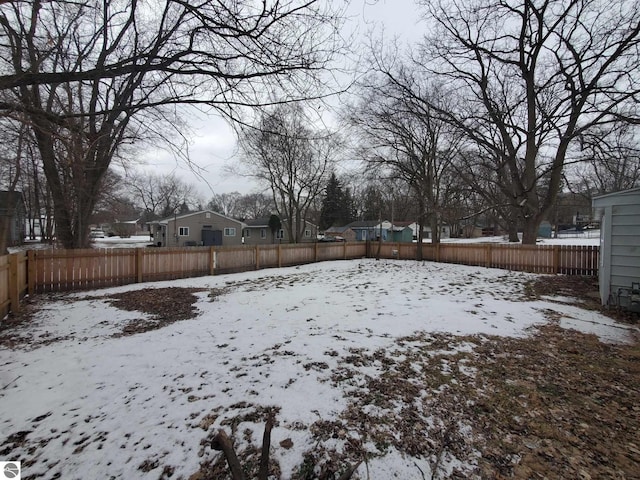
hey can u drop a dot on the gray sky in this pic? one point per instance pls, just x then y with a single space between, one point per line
213 143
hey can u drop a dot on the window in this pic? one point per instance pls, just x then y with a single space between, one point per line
263 233
183 231
247 233
280 234
307 233
207 215
229 232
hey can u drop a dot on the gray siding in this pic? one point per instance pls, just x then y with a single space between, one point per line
195 223
252 236
620 241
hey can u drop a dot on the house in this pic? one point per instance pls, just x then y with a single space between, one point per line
370 230
126 228
619 248
400 233
258 232
13 211
198 228
345 233
445 230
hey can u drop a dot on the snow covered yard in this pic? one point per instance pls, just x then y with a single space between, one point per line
417 370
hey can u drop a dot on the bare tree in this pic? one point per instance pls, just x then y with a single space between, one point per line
402 136
88 77
292 159
236 205
530 77
255 205
226 203
161 196
611 161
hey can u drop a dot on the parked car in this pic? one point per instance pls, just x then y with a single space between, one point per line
96 234
328 238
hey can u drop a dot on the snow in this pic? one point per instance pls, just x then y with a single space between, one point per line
98 406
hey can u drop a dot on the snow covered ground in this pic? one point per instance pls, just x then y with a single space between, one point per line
82 401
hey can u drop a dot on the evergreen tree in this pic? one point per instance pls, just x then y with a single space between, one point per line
350 211
333 205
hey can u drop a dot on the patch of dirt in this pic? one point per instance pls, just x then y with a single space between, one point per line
165 305
584 289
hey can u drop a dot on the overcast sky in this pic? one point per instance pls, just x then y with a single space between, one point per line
213 144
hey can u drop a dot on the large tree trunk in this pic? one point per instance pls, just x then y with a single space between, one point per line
512 231
435 230
530 230
421 224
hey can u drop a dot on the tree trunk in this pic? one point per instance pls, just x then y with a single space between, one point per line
512 230
435 229
530 230
4 233
421 223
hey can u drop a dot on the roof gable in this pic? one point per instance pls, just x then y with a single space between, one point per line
191 214
614 197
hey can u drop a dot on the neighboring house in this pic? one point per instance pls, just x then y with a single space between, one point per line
309 234
445 230
619 248
205 228
370 230
126 228
400 233
345 233
13 211
258 232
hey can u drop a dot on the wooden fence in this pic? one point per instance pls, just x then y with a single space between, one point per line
550 259
38 271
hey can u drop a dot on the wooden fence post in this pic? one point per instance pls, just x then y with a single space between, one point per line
14 288
31 272
487 255
556 259
212 261
139 264
279 255
315 252
344 250
257 257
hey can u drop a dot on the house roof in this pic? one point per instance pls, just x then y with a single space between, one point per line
602 200
364 224
132 221
338 229
264 222
257 222
165 221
